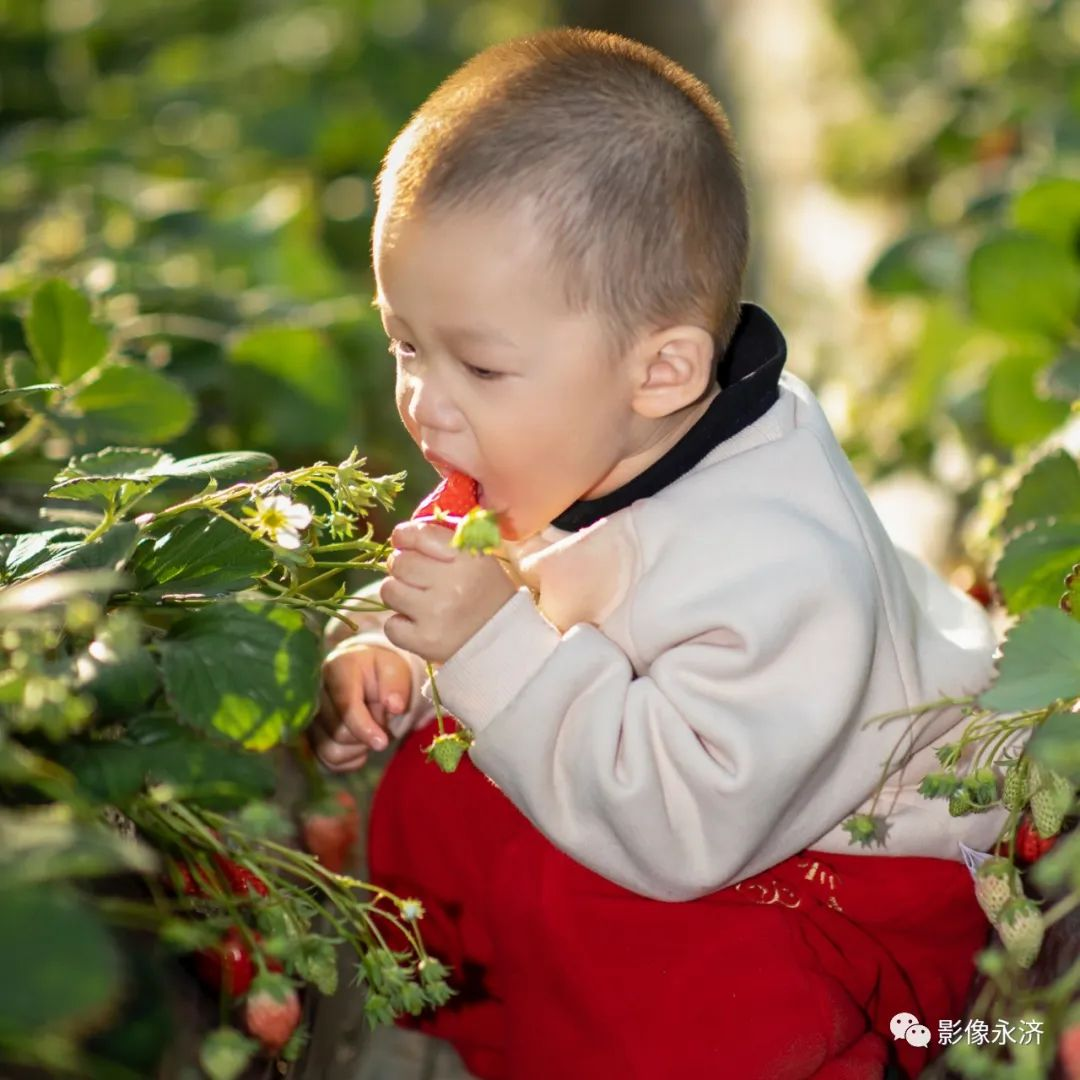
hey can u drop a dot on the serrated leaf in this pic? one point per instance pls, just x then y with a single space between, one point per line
68 967
267 690
127 403
1049 489
316 962
110 551
1021 282
63 339
1032 570
26 551
118 492
134 461
228 467
198 554
1040 663
156 749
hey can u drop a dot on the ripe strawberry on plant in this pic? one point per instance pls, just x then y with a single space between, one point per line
1020 927
330 829
1029 845
240 879
272 1011
227 964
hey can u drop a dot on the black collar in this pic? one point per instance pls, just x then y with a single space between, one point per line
748 373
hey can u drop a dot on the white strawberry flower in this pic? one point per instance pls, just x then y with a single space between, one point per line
279 518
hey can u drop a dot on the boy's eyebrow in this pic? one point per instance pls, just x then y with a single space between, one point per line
455 334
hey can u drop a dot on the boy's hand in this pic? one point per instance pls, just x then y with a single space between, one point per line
443 595
361 686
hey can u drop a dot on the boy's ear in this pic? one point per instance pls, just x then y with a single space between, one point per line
673 369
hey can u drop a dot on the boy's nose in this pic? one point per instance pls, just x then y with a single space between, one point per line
429 405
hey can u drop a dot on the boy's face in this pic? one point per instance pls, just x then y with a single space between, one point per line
494 374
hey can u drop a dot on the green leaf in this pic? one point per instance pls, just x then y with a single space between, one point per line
288 387
1040 663
1056 744
1051 209
228 467
924 262
156 749
225 1053
42 844
1033 567
1015 414
120 685
110 551
267 690
316 962
1049 489
198 554
936 355
126 403
27 551
65 342
63 967
1021 282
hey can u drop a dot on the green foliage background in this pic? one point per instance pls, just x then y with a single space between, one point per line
203 168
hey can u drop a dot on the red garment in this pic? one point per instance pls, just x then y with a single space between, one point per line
794 973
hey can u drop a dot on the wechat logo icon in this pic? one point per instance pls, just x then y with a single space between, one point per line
906 1026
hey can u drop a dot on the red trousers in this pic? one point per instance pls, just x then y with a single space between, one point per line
792 974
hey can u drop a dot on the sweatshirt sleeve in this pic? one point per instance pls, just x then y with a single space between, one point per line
371 633
733 750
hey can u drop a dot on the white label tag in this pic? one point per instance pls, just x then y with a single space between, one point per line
973 859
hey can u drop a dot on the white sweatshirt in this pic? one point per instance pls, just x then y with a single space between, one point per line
677 695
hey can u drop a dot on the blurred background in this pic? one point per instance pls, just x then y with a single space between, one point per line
203 169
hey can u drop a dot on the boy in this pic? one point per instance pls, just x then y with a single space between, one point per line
640 868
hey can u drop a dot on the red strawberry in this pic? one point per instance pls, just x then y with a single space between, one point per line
1030 846
227 963
272 1011
456 495
240 879
330 834
1069 1051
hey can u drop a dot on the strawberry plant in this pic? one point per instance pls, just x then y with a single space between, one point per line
159 658
979 389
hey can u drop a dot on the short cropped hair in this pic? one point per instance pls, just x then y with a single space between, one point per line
627 160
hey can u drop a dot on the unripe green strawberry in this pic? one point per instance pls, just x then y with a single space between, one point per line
960 803
447 750
995 885
1020 926
1014 789
1051 796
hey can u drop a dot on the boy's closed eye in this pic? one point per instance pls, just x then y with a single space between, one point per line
395 350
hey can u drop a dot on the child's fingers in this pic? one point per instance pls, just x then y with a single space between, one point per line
359 721
425 537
